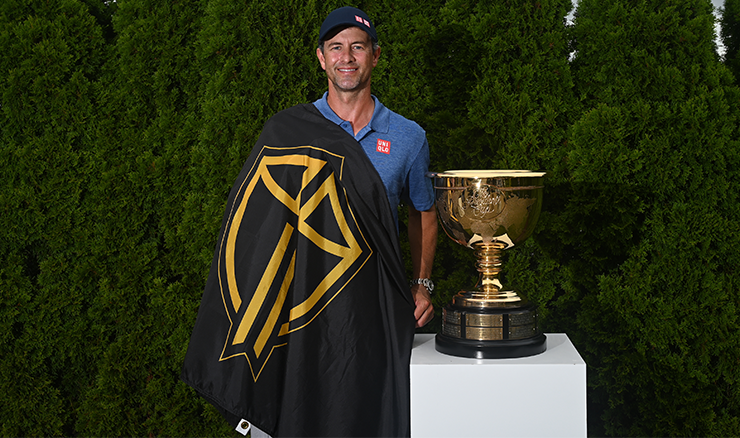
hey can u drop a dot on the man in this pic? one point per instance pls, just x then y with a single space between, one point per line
348 51
306 323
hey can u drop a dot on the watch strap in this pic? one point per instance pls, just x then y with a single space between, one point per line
426 282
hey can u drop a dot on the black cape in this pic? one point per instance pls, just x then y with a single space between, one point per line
306 322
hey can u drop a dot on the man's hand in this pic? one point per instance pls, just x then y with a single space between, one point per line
424 311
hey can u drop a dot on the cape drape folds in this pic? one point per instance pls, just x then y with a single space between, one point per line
306 323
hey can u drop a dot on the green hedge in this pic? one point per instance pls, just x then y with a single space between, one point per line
654 165
123 125
730 34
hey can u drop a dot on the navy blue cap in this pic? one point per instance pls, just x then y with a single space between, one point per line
347 16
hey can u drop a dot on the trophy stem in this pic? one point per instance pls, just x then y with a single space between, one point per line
488 291
489 266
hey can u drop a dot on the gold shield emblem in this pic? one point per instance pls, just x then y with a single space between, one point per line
289 247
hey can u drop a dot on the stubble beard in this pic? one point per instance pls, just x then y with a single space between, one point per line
347 84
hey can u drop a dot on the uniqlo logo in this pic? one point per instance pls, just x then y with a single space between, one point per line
384 146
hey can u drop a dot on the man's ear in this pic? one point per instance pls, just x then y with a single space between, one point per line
376 56
320 55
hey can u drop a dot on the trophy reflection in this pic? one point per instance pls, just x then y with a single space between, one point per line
489 211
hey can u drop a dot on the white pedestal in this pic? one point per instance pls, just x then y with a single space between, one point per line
536 396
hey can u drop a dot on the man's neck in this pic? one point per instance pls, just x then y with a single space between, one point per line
356 108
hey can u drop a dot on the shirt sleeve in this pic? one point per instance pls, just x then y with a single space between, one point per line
420 190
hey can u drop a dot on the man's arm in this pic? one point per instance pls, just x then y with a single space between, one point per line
423 240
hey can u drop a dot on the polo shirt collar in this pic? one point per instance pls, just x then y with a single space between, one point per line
380 121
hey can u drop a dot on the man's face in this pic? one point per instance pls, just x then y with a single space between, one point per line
348 59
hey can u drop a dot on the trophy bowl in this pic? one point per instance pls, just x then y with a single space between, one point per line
489 211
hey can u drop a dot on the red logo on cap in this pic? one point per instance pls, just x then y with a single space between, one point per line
362 20
384 146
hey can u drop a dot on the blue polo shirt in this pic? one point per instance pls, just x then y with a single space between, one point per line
398 149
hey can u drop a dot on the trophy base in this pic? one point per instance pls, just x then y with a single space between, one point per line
510 330
490 349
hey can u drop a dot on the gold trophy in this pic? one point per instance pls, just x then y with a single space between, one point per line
489 211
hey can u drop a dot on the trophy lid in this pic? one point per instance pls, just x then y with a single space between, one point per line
488 173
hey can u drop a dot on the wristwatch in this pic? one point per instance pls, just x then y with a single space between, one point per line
426 282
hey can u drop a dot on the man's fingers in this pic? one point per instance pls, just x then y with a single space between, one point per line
424 313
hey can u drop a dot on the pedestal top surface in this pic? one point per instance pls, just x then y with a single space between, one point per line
560 351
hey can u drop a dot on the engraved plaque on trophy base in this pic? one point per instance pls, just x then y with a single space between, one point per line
490 333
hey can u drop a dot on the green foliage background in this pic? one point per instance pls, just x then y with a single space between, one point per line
123 125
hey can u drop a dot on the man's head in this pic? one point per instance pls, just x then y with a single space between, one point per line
348 50
343 18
